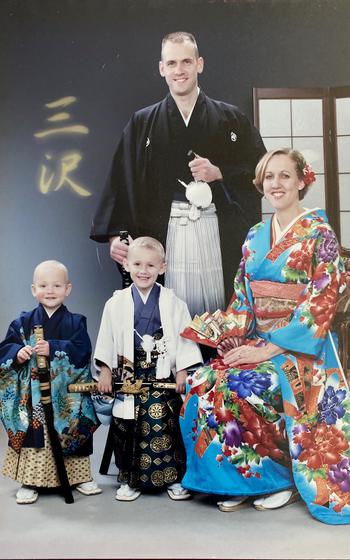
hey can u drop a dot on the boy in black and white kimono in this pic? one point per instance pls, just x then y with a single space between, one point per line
139 339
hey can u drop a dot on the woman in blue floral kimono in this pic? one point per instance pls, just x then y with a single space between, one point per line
270 417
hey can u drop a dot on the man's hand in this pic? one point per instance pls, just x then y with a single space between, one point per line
104 384
24 354
203 170
42 348
181 377
118 250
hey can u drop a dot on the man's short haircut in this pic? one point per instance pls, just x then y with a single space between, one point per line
50 264
180 37
149 243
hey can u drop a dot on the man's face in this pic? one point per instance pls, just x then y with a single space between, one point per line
180 67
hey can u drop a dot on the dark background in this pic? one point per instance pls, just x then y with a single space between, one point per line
106 53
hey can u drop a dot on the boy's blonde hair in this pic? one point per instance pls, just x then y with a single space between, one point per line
50 264
149 243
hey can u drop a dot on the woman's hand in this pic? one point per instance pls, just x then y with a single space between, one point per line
229 343
247 354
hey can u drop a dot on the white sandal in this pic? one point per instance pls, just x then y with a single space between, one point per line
127 494
178 492
26 495
277 500
88 488
233 504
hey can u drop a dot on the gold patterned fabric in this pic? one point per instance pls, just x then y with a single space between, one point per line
149 450
274 302
36 466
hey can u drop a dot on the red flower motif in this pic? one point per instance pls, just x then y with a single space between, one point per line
323 306
322 445
298 260
224 415
269 439
210 396
343 497
218 365
226 450
322 315
305 223
319 273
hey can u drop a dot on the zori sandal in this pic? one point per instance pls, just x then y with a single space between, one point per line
178 492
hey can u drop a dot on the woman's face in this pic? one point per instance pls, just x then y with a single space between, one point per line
281 183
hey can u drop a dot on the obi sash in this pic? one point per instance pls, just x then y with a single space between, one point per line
274 302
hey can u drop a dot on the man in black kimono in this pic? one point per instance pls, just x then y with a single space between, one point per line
188 137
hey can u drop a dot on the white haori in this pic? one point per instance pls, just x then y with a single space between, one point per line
116 338
193 255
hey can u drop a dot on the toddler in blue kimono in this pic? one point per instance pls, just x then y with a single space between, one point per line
139 342
30 457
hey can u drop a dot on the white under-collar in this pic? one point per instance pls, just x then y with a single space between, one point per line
50 312
187 119
143 296
281 232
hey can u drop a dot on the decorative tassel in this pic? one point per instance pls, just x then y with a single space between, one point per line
148 345
163 360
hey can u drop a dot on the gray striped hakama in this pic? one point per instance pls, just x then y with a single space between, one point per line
193 255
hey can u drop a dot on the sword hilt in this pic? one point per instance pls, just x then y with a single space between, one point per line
126 280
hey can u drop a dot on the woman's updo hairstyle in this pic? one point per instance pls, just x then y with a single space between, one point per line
304 170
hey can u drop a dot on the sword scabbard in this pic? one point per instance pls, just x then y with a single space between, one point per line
120 387
46 400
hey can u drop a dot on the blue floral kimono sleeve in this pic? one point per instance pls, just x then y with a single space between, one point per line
312 318
241 301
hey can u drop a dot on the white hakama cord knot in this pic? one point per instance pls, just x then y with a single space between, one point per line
199 195
147 344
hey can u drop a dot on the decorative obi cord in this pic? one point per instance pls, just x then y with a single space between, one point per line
274 302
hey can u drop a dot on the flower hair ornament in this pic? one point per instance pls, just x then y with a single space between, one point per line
309 176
